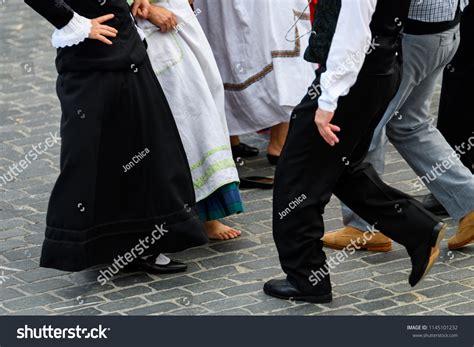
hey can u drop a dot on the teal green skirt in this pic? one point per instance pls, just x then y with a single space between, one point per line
223 202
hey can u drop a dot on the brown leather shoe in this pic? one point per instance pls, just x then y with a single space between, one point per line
465 234
372 242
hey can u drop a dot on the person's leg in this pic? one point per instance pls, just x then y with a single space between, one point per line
425 56
242 150
427 151
455 119
310 169
413 74
278 135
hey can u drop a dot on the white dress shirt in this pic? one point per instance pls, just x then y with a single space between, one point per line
351 41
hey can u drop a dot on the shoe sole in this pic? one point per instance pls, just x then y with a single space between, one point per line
462 244
435 250
387 247
322 299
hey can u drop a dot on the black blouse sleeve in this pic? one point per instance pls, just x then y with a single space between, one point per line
57 12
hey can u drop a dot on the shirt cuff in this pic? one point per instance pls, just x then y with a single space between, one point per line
76 31
327 105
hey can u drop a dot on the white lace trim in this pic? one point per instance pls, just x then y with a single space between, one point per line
75 32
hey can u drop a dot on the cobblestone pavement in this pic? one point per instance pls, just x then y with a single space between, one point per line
224 278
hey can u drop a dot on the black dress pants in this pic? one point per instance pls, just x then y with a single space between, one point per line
310 171
456 118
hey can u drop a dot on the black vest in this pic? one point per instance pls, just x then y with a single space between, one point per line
386 26
126 52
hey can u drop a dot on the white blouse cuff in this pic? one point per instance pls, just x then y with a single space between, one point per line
76 31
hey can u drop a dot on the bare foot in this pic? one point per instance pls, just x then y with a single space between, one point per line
218 231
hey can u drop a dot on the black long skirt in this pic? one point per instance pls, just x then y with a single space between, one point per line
125 185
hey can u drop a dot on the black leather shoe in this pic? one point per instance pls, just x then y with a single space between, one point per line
282 289
149 265
432 204
425 255
244 151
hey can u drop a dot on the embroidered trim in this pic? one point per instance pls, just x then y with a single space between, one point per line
296 52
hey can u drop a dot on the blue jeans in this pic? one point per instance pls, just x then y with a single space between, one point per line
407 124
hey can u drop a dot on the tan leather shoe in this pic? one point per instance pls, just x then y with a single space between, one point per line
465 234
373 242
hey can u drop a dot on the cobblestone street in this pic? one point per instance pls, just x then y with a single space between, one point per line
224 278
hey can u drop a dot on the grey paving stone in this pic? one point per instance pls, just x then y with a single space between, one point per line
82 291
176 282
391 278
153 309
200 298
229 303
443 289
30 302
243 289
375 305
262 275
462 309
170 294
210 285
406 298
132 279
234 245
300 310
37 311
90 311
9 293
38 274
355 287
404 287
128 292
226 259
270 305
45 285
224 271
456 275
341 312
189 311
451 299
232 312
120 305
373 294
341 301
405 310
81 302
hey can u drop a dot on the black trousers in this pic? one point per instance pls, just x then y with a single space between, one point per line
310 171
456 118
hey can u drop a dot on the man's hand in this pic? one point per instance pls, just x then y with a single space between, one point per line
141 8
162 18
101 32
326 129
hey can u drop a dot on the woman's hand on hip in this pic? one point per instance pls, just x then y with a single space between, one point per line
100 31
